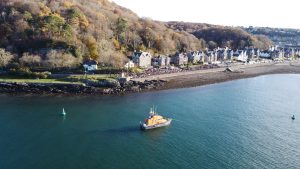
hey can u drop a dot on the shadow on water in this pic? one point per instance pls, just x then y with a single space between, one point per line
155 133
123 130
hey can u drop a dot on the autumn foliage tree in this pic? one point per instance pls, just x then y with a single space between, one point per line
58 59
100 30
5 58
30 60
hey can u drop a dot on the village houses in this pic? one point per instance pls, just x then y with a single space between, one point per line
90 65
179 59
162 61
194 57
240 55
216 56
129 64
142 59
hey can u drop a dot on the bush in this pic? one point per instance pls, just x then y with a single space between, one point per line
30 60
13 65
5 57
26 73
135 70
58 59
109 70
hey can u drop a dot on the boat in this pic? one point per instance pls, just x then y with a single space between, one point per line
293 117
63 113
155 121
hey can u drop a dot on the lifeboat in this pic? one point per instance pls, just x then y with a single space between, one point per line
154 121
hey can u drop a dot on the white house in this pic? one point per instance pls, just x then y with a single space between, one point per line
212 57
194 56
240 55
142 59
90 65
164 60
179 59
265 55
129 65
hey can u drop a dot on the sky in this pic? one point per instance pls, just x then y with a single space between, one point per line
264 13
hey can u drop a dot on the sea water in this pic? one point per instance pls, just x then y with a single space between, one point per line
237 124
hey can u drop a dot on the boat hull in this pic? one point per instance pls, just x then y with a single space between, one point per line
145 127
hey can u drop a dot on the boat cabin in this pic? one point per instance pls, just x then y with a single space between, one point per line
155 119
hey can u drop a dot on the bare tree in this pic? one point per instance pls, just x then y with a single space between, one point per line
30 60
5 57
117 60
59 59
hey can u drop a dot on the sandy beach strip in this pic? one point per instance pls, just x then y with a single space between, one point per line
211 76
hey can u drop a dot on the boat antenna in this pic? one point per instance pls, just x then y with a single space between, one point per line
153 109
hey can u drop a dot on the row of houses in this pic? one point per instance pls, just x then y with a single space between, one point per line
145 60
276 53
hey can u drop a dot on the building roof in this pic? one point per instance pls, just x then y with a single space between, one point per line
90 62
138 54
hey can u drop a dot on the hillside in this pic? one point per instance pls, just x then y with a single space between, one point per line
279 36
63 33
224 36
80 29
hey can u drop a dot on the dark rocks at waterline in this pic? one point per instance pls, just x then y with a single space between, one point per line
78 89
45 88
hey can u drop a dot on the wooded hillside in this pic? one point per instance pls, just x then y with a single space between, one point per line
280 36
222 36
62 33
96 29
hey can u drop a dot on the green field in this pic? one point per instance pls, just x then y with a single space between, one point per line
68 79
11 80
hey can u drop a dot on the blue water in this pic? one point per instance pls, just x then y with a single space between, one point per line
238 124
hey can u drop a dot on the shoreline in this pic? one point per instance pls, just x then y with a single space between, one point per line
200 79
155 82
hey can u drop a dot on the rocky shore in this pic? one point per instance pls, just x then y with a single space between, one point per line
79 89
151 83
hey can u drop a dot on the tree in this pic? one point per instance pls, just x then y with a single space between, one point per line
149 37
212 44
121 28
53 24
117 60
133 40
30 60
5 57
106 50
59 59
262 42
91 44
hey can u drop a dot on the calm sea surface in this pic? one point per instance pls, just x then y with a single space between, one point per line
238 124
